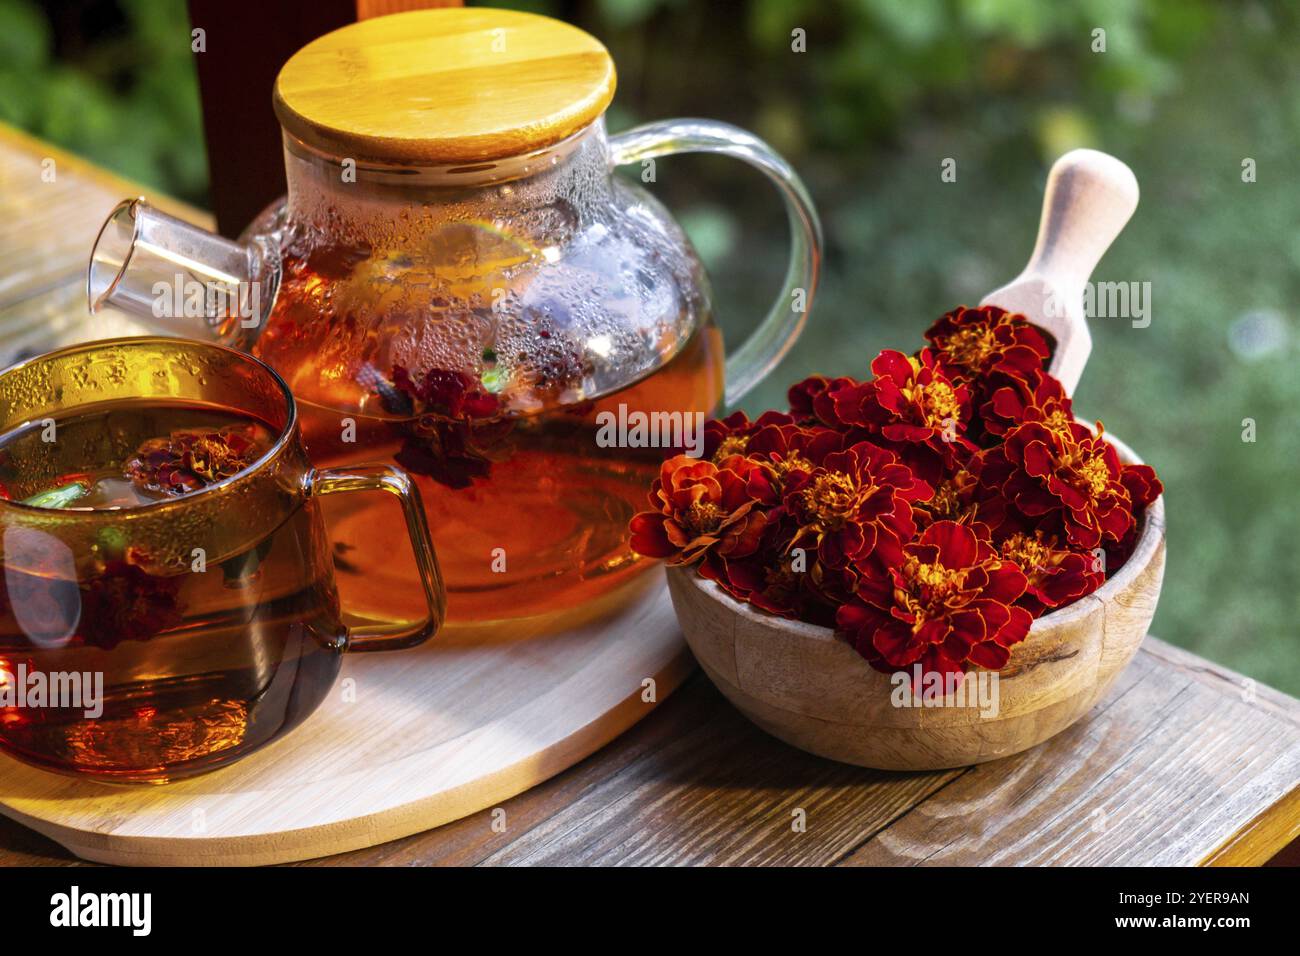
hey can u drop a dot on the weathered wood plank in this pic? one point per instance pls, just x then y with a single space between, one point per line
55 317
695 783
1165 771
51 207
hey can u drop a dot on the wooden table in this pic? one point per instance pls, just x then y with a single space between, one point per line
1183 763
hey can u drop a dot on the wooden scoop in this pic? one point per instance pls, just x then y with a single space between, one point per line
1089 197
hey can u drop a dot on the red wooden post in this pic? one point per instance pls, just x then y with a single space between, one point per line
245 44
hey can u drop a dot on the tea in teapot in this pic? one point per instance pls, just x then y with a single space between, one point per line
456 282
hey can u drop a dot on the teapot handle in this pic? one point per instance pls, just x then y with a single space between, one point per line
767 344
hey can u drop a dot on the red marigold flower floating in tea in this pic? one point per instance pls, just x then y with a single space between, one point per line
124 602
186 461
116 599
456 426
928 513
447 393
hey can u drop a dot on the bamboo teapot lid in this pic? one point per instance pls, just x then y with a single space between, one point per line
444 86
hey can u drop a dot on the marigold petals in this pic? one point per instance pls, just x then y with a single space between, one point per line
1007 583
893 641
649 537
956 543
934 508
989 655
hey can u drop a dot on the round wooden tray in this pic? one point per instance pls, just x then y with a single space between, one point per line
406 741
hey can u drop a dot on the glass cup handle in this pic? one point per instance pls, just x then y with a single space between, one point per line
767 344
329 481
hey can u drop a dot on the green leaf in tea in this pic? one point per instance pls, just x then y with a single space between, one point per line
59 497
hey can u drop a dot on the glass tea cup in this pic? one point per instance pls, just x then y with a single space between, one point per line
166 638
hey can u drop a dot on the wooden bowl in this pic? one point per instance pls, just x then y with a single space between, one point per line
801 683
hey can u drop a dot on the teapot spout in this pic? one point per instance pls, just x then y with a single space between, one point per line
179 279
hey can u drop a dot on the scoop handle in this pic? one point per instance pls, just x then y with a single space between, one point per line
1090 196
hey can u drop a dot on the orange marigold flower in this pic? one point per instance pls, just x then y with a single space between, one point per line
946 600
701 507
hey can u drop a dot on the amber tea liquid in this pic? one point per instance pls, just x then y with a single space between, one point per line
543 532
197 666
527 511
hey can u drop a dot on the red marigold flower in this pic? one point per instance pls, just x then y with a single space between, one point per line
956 498
1057 574
1142 484
806 402
853 498
1070 479
910 406
124 602
946 600
975 343
770 577
700 507
457 425
449 393
448 452
787 449
1036 398
912 400
815 514
730 436
187 460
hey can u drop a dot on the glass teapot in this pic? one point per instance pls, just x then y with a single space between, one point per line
457 282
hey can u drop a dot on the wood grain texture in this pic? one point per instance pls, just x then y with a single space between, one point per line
1162 773
803 685
444 86
405 742
51 207
696 783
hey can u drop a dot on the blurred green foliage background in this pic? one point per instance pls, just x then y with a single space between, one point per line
884 92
